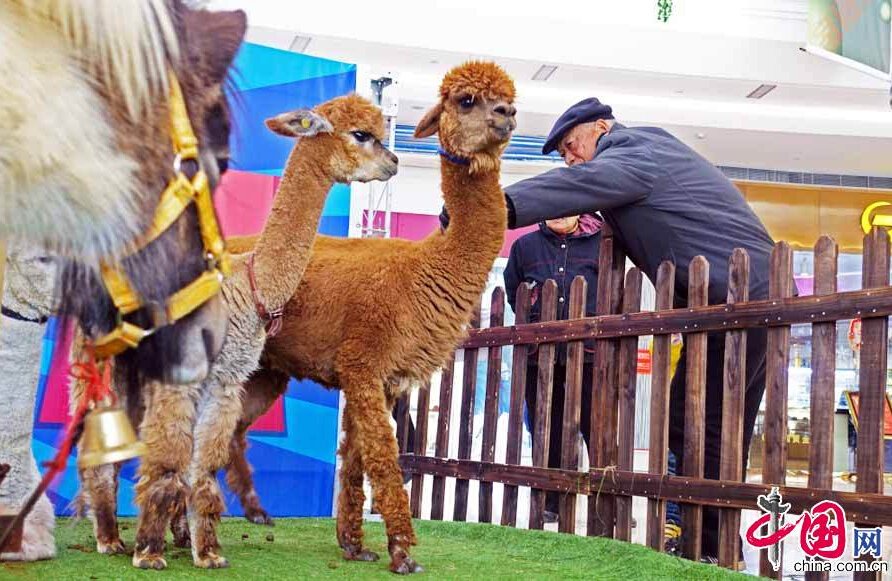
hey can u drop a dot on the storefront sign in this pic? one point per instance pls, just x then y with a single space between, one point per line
645 361
869 218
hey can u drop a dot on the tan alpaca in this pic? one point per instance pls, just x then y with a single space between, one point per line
187 429
372 315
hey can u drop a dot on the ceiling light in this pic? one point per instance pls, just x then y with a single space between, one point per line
299 44
701 135
761 91
544 72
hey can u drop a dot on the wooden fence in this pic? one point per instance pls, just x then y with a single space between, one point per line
611 483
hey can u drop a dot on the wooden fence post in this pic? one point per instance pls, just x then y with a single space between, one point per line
542 422
602 451
777 364
491 405
628 383
659 406
572 404
515 410
732 460
872 376
695 404
466 422
823 380
441 447
420 447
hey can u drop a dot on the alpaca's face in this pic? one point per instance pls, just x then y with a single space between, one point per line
473 124
352 129
476 115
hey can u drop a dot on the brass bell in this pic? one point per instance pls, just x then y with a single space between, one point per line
108 438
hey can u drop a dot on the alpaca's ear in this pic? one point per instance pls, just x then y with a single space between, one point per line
299 123
430 123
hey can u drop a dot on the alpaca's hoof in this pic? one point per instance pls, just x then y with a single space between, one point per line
406 566
146 561
211 561
115 547
360 554
259 517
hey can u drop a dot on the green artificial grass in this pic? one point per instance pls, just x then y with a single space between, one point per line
306 549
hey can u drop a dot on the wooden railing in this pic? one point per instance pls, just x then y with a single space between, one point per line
611 482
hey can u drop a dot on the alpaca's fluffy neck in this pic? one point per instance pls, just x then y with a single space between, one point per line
283 249
478 218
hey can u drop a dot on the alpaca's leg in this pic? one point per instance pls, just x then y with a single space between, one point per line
260 392
220 411
179 527
352 496
239 480
100 489
162 488
380 457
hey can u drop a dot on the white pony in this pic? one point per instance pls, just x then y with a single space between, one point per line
65 179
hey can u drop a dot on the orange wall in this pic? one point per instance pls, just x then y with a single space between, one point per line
800 214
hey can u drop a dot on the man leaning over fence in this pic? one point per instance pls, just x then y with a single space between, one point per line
663 201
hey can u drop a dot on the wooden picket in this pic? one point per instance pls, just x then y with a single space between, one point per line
611 483
491 405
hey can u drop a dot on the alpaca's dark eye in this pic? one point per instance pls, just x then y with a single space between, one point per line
466 102
361 136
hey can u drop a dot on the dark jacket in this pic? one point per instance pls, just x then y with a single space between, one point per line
662 200
537 256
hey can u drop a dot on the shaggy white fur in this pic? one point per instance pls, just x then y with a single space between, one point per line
53 191
28 291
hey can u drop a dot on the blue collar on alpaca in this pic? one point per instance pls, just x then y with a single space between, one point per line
453 158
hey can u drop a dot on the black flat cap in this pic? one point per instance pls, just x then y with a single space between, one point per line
587 110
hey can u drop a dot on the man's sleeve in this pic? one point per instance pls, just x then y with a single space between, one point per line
621 175
513 274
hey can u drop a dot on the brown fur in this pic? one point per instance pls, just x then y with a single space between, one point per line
371 313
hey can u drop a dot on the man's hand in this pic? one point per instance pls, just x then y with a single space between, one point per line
444 215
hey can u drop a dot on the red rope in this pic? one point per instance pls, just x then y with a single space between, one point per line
98 387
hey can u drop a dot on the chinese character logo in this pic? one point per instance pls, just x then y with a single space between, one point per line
823 531
867 542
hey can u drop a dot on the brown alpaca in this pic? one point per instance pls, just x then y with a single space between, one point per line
372 316
187 429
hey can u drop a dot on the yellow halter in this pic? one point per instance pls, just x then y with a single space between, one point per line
180 192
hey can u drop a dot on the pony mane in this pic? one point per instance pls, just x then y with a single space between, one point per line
128 44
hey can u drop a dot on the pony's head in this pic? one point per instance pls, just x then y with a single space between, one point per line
138 53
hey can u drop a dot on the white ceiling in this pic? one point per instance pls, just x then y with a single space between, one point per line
690 75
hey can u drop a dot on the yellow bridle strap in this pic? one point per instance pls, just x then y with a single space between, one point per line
195 294
179 193
185 144
123 337
207 221
125 298
174 201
